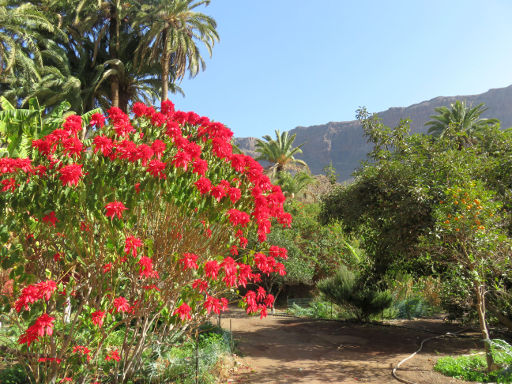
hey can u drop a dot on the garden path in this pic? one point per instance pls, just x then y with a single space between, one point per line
291 350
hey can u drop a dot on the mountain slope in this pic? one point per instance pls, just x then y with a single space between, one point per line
343 142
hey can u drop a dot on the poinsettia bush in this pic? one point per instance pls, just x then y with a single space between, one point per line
140 229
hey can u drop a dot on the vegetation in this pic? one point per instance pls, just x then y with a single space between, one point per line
83 51
348 289
473 367
280 151
426 207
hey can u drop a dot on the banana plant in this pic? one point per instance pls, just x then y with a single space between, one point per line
19 127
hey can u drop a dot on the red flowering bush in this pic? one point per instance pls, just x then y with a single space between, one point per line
139 230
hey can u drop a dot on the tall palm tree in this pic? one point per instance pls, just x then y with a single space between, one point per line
170 30
460 119
280 152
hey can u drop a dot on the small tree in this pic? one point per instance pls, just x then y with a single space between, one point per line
468 234
346 288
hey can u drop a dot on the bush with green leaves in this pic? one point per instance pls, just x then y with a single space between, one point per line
347 289
473 367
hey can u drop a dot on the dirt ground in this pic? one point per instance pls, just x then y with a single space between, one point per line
290 350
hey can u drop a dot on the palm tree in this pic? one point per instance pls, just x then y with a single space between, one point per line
460 119
292 186
22 28
280 152
170 30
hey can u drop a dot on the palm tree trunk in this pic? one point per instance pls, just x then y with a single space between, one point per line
114 91
166 57
113 48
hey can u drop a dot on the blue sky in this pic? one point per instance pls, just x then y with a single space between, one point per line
285 63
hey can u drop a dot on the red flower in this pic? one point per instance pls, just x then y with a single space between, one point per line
234 194
137 187
181 159
139 109
200 285
103 144
189 261
66 379
146 268
29 295
57 256
115 208
218 192
71 174
72 146
83 350
28 337
237 217
279 268
158 148
183 311
167 107
97 119
73 124
121 304
107 267
157 168
211 269
43 325
200 166
46 289
50 219
144 153
113 355
203 185
97 318
131 245
9 184
213 304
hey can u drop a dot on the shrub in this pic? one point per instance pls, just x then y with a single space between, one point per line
346 289
133 235
473 367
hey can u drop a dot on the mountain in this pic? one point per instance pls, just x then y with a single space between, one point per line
343 143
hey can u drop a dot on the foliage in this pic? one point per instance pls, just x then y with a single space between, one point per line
472 367
132 235
92 54
293 185
178 364
392 203
19 127
279 151
459 120
331 174
317 309
346 288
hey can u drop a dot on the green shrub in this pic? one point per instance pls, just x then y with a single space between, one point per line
14 375
346 288
413 307
473 367
317 309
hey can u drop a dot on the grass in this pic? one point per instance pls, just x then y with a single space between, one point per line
473 367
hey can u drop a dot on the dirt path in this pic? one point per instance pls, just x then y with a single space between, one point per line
290 350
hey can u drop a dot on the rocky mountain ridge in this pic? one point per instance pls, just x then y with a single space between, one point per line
343 143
